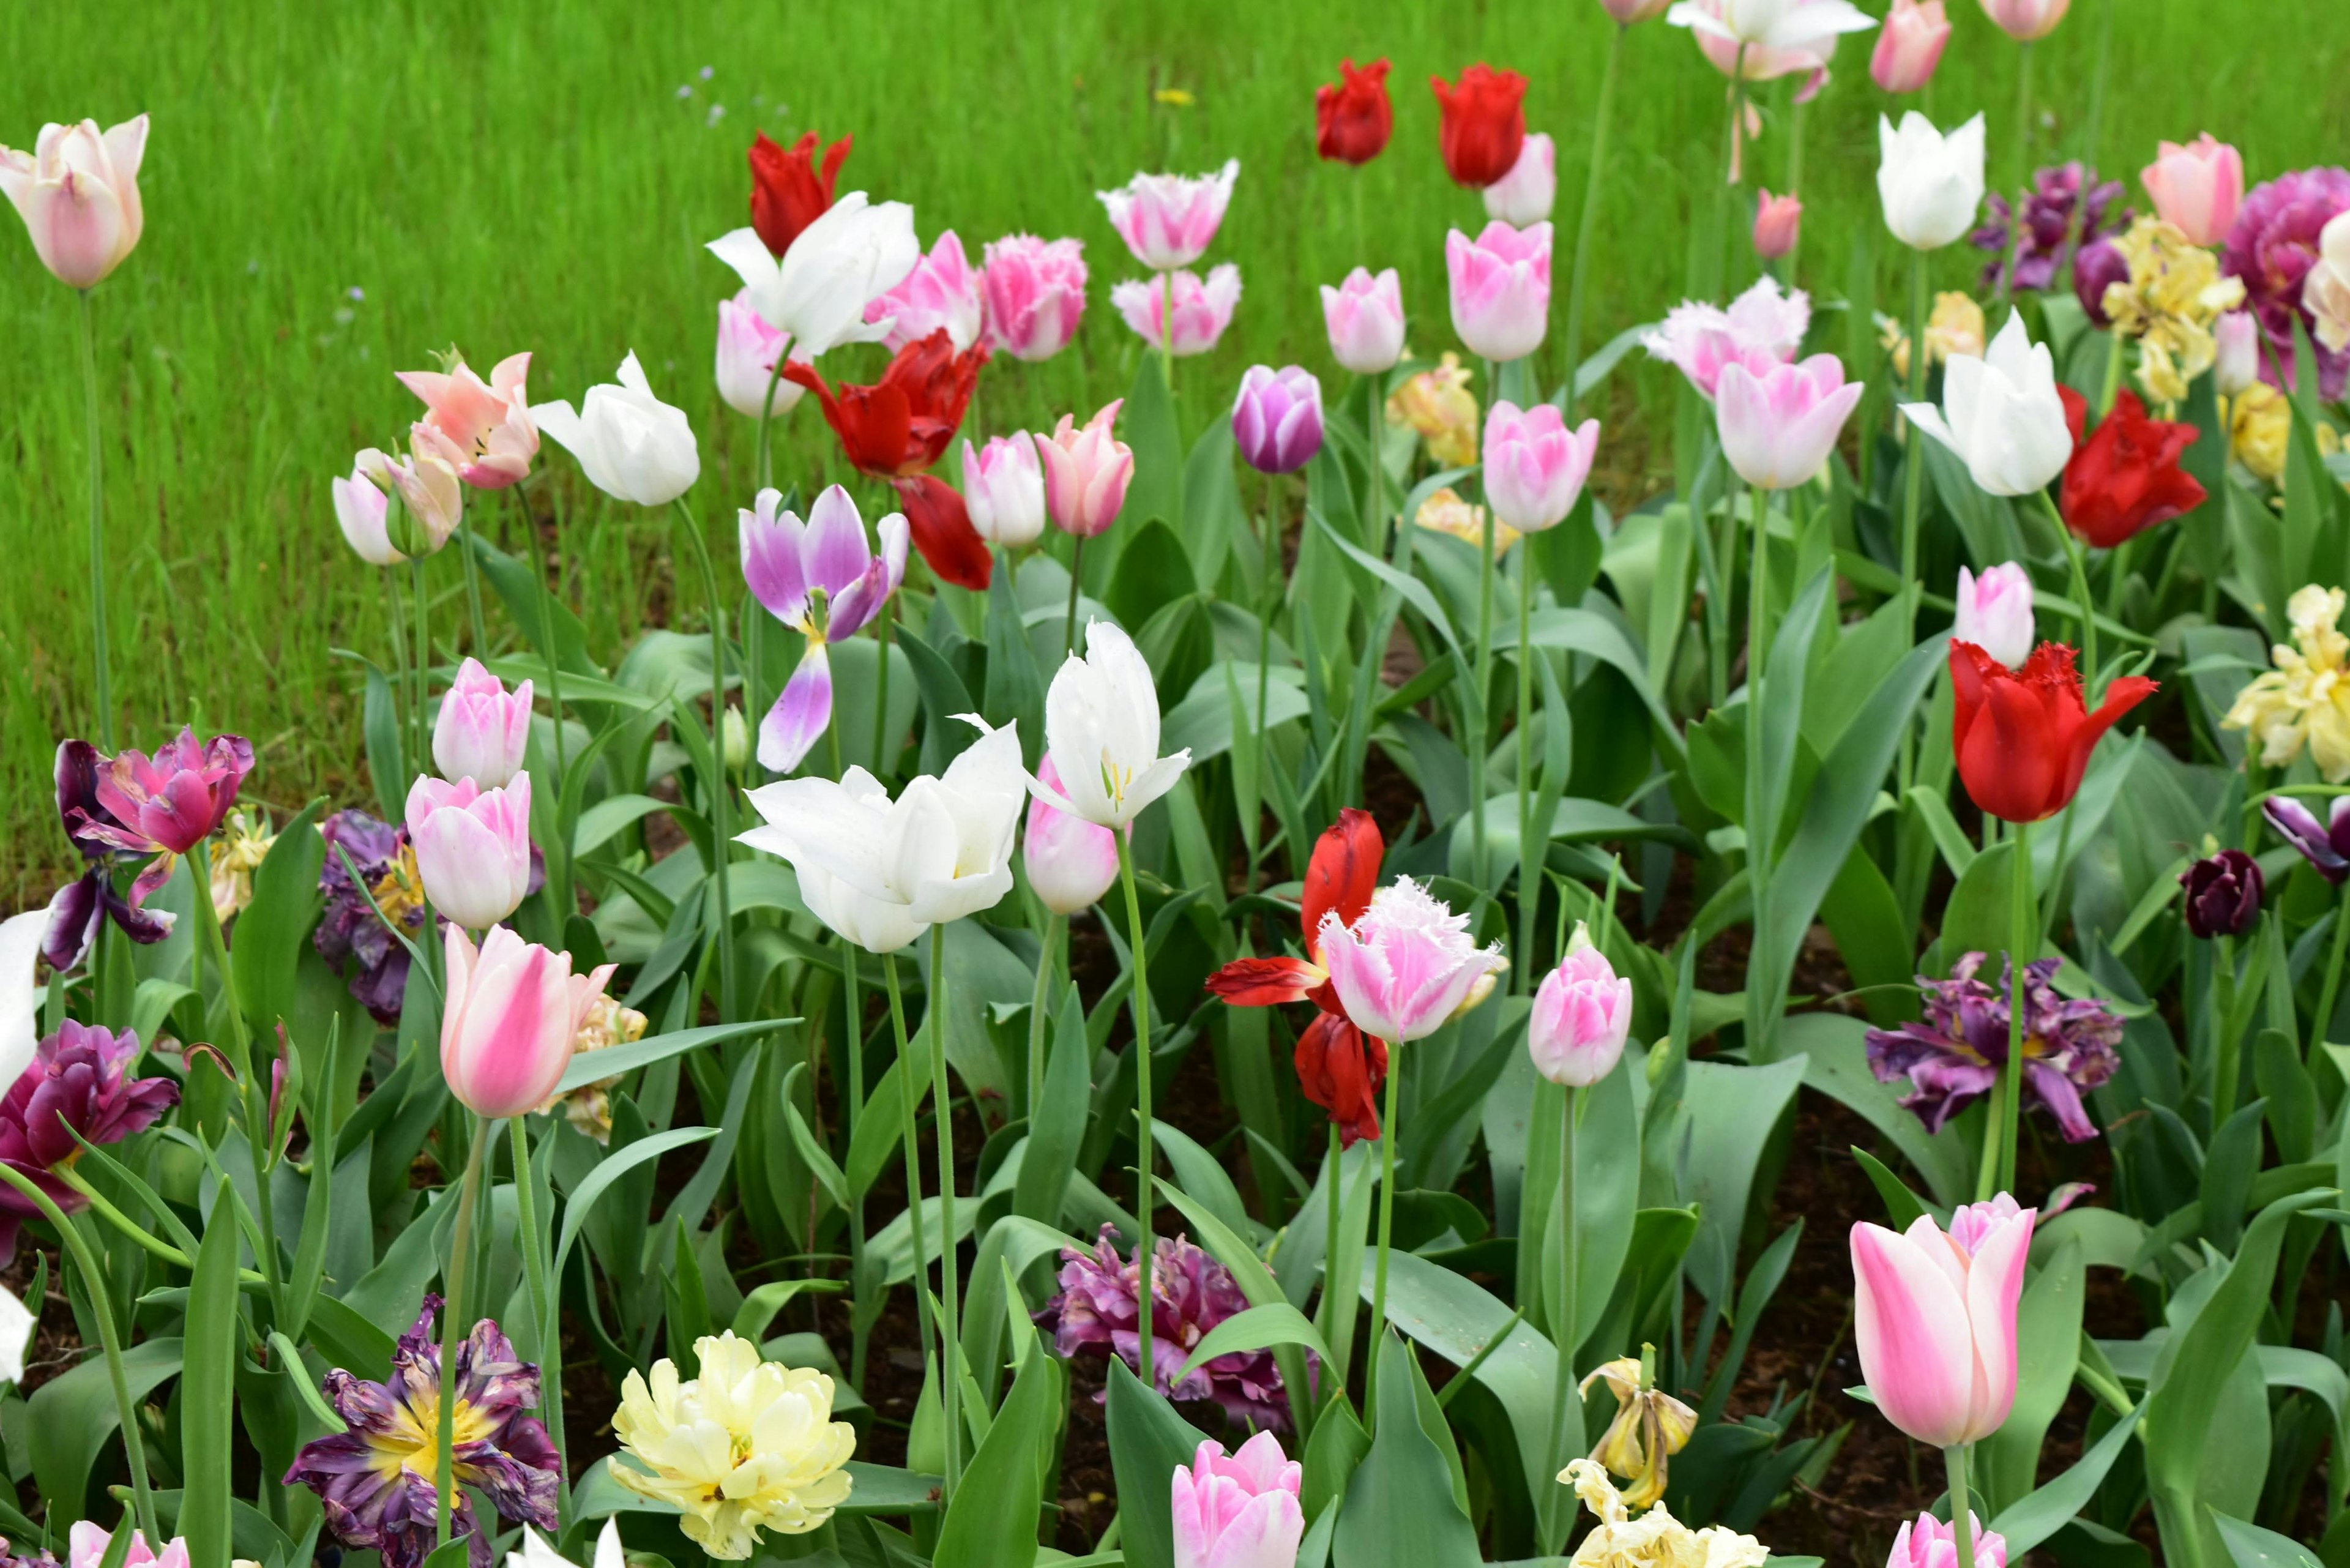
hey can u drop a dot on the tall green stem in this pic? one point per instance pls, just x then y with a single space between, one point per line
97 528
722 831
766 417
1997 1172
1388 1130
909 1094
885 766
260 1139
1147 1162
420 757
1037 1005
853 1003
2097 84
1077 577
1331 1202
1530 863
934 1019
453 1331
2227 1055
2007 289
1914 461
566 901
1761 809
1564 1289
1962 1506
1587 227
542 1310
473 588
2332 988
398 616
1167 351
2087 607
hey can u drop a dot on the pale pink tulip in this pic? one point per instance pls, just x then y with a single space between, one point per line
748 352
1763 42
1203 310
513 1010
77 191
1995 612
2025 20
1405 965
1778 428
1085 473
1500 289
2238 362
942 291
428 484
1169 220
1522 197
364 511
1929 1542
1003 490
86 1547
1033 294
1071 863
1762 328
1535 466
1365 318
1582 1015
473 848
1778 224
2198 187
1632 13
483 429
483 730
1239 1510
1934 1319
1910 49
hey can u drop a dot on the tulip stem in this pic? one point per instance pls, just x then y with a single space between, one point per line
934 1018
2332 986
1587 228
722 836
767 413
2088 614
853 1015
1387 1127
1914 461
1530 863
1147 1161
473 589
1037 1006
1565 1412
1167 358
2005 1127
453 1316
566 901
1076 576
1962 1511
1481 698
422 756
398 616
909 1092
1761 806
97 533
549 1322
1336 1333
101 1307
884 766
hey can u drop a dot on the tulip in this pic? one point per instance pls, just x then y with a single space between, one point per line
1071 863
86 1547
76 1088
2223 893
2325 287
1500 289
630 444
1929 1542
483 730
1650 1426
748 349
1484 124
1440 409
942 291
1353 121
2002 414
2237 335
1535 466
1169 221
1522 197
1632 13
2325 844
1762 328
1101 731
1203 310
20 998
1778 224
1582 1015
877 925
1995 612
363 510
789 189
1405 965
482 428
823 581
2198 187
1934 1319
2097 267
77 191
2026 20
176 799
1277 418
507 1026
1777 428
1762 40
1929 184
2023 737
1240 1511
842 261
1032 293
1365 318
17 1323
1910 46
428 486
1003 489
2126 478
1085 473
473 848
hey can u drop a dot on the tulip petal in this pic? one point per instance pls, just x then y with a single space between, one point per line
941 531
800 715
1911 1328
1994 1286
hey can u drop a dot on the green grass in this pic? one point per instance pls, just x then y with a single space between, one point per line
504 177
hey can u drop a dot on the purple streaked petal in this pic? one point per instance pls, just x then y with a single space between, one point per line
799 716
74 917
771 546
834 554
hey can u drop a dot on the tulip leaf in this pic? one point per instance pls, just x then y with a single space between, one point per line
208 1391
1013 1242
1147 424
993 1521
879 1128
534 609
581 1200
1057 1130
592 1067
2034 1518
1153 572
1147 1443
1733 1111
1256 1328
72 1417
1212 512
2251 1546
1400 1511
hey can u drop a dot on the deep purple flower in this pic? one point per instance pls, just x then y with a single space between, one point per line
80 908
170 802
350 935
79 1080
1953 1058
375 1480
2048 224
2223 893
2097 268
2271 248
1096 1311
2325 844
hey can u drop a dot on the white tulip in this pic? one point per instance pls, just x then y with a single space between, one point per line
1101 729
872 924
16 1324
20 998
1930 184
2002 414
840 264
629 443
537 1551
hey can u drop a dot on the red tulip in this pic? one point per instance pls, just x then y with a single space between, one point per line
940 526
788 190
2124 478
1354 119
1484 124
902 423
1343 1072
2023 738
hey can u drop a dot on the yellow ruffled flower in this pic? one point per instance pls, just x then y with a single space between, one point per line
1438 404
2259 427
1650 1426
750 1445
245 841
2173 296
1446 513
2306 699
1955 329
1656 1538
588 1108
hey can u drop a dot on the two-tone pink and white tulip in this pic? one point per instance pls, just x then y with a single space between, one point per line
1535 468
1277 418
473 848
629 445
941 292
1003 490
1926 1542
507 1026
2198 188
825 581
1201 310
1523 197
363 512
430 488
1033 294
1995 612
1582 1016
1169 221
77 191
1500 290
1777 428
1910 49
1762 328
1239 1510
1087 471
749 354
1364 317
1934 1319
483 730
1407 965
86 1545
2026 21
2236 365
481 429
1101 731
1071 863
1778 224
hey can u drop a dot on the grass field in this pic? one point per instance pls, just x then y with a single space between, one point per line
334 190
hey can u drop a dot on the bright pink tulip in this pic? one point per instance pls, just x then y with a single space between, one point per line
1522 197
1582 1013
363 511
747 351
1910 49
1934 1319
483 730
1777 428
1240 1511
483 429
175 799
1071 863
1169 220
1762 328
1930 1543
513 1009
1085 473
1003 490
1365 318
1033 292
472 846
1535 466
1778 224
1203 310
942 291
2025 20
1407 965
1995 612
1501 288
2198 186
77 191
86 1547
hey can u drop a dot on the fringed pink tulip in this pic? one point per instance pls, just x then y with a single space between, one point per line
1934 1319
483 429
512 1010
77 191
1032 293
942 291
1239 1510
1407 965
1365 318
1582 1016
1201 310
473 848
1522 197
1071 863
2198 187
1535 466
363 511
1762 328
1778 224
483 729
1910 49
1777 428
1169 220
1003 490
1085 473
1995 612
1500 289
748 350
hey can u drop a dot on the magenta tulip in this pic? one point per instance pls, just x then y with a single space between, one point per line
1239 1510
175 799
1365 318
1071 863
1778 428
473 848
1582 1015
2198 186
1405 965
1201 310
1501 288
1934 1319
1277 418
483 730
513 1010
1085 473
1033 292
1535 466
941 292
1169 220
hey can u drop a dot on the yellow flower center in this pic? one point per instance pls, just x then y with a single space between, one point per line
415 1442
399 891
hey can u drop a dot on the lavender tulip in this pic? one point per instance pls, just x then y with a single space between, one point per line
1277 418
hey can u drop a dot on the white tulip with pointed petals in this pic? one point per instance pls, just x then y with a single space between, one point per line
1101 729
630 444
840 264
2002 414
1930 184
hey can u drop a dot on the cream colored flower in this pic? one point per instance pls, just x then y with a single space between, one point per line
2306 699
245 841
1438 404
590 1106
2259 427
750 1445
1656 1538
1650 1426
2171 302
1955 329
1446 513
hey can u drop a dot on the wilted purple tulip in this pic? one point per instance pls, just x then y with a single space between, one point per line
173 800
1277 418
79 1080
2223 893
2325 844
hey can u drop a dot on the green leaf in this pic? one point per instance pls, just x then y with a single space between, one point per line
1014 691
1153 571
72 1417
592 1067
1013 1242
1255 1281
2045 1512
1147 1442
1257 1328
1057 1130
274 927
879 1127
820 1159
1202 1176
1147 424
581 1201
380 724
760 1308
527 601
2254 1547
1733 1111
1837 1051
1400 1510
993 1521
943 696
1337 1445
208 1385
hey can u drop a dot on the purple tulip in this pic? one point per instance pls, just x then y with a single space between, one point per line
2223 893
170 802
79 1080
1277 418
2097 268
79 908
1954 1057
2272 246
2325 844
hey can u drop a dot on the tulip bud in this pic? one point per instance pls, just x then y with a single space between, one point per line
1169 221
735 740
2026 20
363 511
1535 466
1910 46
1995 612
2223 893
1364 317
507 1026
1071 863
2237 365
77 191
2098 267
1277 418
431 495
1085 473
749 354
1523 196
1582 1014
1631 13
473 848
1778 225
1003 490
483 730
1929 1542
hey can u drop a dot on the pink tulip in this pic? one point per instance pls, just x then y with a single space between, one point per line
1003 490
1582 1014
483 730
77 191
1934 1319
1522 197
1535 466
483 429
87 1545
1762 328
1168 219
1929 1542
1632 13
1778 428
1995 612
2025 20
364 512
1501 288
1033 294
513 1010
1778 224
2196 186
748 349
2237 364
1239 1511
472 846
942 291
1365 318
1071 863
1085 473
1910 47
1203 310
175 799
427 485
1405 965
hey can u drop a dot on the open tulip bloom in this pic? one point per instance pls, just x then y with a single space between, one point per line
629 445
1169 221
2002 414
822 579
836 266
77 191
